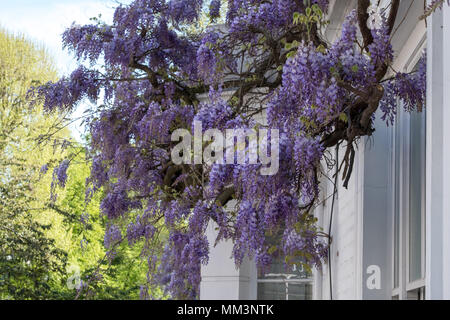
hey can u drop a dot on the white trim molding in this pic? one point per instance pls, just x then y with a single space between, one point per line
438 157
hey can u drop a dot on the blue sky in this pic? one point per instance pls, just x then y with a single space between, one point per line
45 20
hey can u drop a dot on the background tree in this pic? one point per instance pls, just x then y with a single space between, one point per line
79 229
30 263
270 58
43 240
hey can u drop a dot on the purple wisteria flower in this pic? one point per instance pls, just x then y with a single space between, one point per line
158 74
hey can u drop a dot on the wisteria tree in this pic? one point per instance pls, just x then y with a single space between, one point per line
148 72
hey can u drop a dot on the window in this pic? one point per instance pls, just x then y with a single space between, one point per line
397 201
282 283
416 197
409 205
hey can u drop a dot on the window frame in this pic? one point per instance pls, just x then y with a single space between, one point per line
286 279
286 282
401 143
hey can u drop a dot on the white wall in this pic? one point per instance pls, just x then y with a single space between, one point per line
221 280
345 232
438 157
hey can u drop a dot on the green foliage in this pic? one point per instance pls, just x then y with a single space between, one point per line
313 16
43 241
30 264
120 278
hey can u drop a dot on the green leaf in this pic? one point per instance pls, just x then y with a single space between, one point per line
272 249
321 48
308 12
291 54
296 17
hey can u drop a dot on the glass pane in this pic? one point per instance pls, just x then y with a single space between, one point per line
416 184
417 294
284 291
279 270
397 169
299 291
271 291
281 279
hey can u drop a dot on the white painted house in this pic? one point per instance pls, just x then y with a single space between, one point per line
391 227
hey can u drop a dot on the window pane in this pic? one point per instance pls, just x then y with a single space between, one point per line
417 294
284 291
416 183
279 270
271 291
397 169
300 291
281 281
